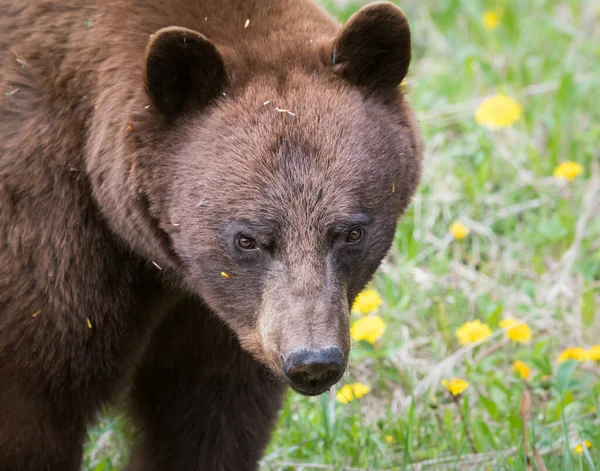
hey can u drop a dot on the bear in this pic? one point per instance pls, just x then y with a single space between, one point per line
192 194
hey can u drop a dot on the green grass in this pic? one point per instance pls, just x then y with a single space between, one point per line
533 253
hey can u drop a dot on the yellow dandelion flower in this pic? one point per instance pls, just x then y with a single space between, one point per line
360 389
594 353
491 19
498 111
369 328
345 394
521 368
471 332
389 438
578 449
455 386
367 301
592 410
568 170
350 392
459 231
573 353
517 331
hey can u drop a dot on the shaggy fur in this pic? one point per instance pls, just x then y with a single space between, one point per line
139 140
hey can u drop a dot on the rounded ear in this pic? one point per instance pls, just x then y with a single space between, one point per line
373 48
184 70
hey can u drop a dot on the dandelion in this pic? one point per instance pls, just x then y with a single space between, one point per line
360 389
455 386
498 111
573 353
389 438
459 231
369 328
350 392
491 19
594 353
578 449
367 301
521 368
345 394
568 170
516 331
471 332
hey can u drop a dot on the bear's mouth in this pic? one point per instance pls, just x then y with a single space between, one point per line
316 385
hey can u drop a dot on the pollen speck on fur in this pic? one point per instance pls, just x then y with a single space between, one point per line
225 275
283 110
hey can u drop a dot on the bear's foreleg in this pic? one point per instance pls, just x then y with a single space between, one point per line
201 403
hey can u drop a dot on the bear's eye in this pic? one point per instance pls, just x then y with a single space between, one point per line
245 243
354 235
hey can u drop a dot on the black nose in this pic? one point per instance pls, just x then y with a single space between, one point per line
311 372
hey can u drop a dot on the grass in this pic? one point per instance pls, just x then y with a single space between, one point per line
533 253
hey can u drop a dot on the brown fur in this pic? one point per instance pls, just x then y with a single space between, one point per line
117 219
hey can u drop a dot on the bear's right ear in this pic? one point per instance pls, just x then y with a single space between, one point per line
184 70
372 50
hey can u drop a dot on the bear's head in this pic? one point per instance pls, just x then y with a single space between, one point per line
282 183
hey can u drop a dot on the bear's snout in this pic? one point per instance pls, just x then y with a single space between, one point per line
311 372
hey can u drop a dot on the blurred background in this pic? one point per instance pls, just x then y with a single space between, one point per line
483 324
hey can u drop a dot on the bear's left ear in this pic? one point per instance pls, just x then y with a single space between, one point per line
184 70
373 48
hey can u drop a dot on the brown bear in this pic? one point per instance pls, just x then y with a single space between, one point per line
191 196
